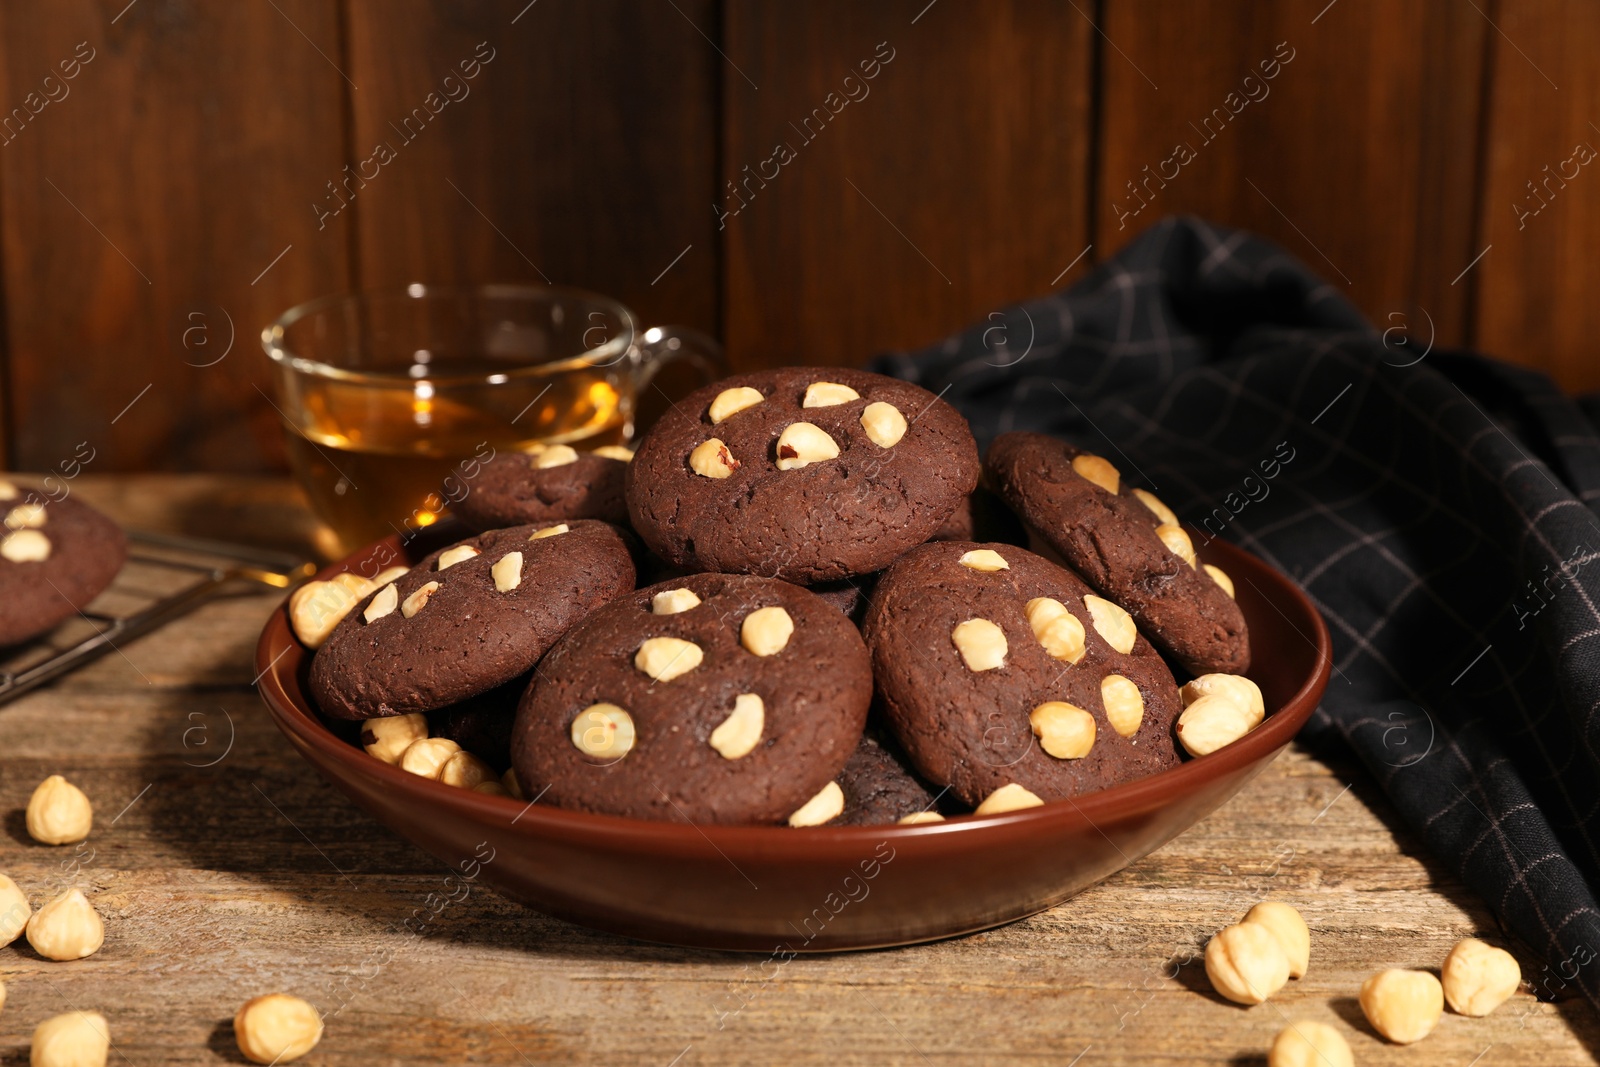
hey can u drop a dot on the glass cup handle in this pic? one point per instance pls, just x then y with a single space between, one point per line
660 345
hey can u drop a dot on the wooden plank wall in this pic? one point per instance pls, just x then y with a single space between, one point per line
811 182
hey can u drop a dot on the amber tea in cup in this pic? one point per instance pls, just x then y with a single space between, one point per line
391 400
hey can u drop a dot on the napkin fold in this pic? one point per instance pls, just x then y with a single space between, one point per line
1437 507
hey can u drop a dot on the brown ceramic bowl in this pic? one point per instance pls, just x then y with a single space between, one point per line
779 890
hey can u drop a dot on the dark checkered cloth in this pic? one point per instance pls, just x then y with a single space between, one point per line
1436 507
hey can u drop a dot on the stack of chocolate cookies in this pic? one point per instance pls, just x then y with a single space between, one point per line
836 625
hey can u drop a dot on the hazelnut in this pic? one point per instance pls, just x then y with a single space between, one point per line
67 928
1009 797
981 643
1234 687
1403 1006
459 554
384 603
513 787
1091 467
827 804
766 631
732 401
427 756
1307 1043
276 1028
1056 628
1111 623
1220 578
1064 730
828 394
884 424
555 456
983 559
616 452
26 546
740 732
711 459
317 607
673 601
1285 924
1478 978
491 788
917 818
466 771
1160 510
666 658
418 599
385 576
76 1039
549 531
387 738
1245 963
802 444
1123 702
507 572
58 812
601 730
25 516
8 491
1211 723
15 911
1177 542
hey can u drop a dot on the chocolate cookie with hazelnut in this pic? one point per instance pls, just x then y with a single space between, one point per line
713 698
1125 543
55 557
1009 680
808 474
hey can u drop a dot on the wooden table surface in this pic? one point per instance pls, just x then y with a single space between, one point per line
218 883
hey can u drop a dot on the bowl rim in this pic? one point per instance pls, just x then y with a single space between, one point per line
1112 805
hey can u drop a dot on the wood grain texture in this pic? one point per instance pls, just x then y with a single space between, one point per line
582 153
888 212
1535 300
1358 156
140 209
222 882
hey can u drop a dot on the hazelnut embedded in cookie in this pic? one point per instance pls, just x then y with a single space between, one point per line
25 546
1112 623
1056 628
740 732
802 444
666 658
983 559
418 599
765 631
555 456
550 531
1064 730
1089 466
673 601
604 731
828 394
981 643
1123 702
884 424
507 572
732 401
451 556
711 459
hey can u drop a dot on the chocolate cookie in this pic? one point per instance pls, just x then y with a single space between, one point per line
806 473
548 485
716 698
1127 544
468 618
55 557
879 789
999 670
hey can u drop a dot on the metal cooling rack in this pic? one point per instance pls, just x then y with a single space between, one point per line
165 577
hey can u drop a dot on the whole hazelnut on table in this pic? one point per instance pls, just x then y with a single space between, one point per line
15 911
1246 963
1478 978
76 1039
1403 1006
1306 1043
58 812
67 928
1290 930
276 1028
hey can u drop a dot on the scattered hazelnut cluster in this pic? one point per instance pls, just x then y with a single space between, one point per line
272 1029
1253 959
